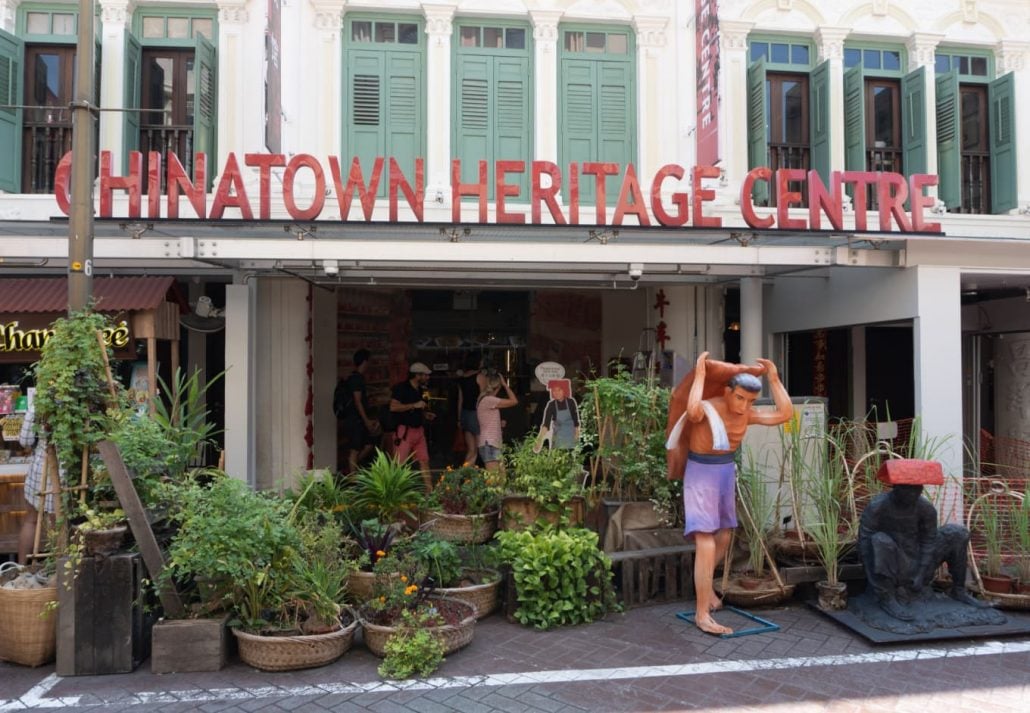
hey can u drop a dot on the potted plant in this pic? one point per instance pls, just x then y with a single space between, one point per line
101 532
1021 526
464 504
560 577
545 485
995 579
372 541
831 527
280 573
403 597
388 490
442 560
760 583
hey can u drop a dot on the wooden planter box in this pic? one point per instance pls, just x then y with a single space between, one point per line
519 512
101 624
654 575
190 645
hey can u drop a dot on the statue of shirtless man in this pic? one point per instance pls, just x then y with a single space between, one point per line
709 477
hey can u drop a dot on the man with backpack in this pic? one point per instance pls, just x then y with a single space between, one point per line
350 404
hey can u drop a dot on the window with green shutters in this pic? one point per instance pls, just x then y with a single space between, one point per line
493 99
884 112
11 58
384 93
788 109
171 72
597 102
976 133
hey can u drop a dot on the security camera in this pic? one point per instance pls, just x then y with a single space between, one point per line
636 270
331 267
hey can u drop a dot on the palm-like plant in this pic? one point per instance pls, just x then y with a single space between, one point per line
1021 525
388 489
758 511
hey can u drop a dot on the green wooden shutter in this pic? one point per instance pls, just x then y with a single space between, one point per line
11 59
205 110
579 117
131 97
615 128
819 119
949 157
757 127
854 119
474 114
913 121
366 135
513 112
405 109
1001 102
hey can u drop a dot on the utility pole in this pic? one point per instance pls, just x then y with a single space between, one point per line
80 222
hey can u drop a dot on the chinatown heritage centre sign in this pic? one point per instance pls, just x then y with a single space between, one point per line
825 199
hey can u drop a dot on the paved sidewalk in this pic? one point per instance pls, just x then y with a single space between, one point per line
643 660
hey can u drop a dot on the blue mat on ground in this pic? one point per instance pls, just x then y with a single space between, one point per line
764 625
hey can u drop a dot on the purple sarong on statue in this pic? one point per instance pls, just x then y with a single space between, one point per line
709 501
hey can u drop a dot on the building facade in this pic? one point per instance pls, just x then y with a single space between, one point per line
527 146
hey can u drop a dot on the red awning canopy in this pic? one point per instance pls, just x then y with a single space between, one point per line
110 294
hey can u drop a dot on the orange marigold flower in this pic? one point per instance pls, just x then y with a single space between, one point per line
380 553
382 600
404 578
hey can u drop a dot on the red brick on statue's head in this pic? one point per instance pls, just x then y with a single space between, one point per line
909 471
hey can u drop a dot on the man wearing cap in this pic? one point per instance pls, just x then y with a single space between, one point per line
900 543
408 404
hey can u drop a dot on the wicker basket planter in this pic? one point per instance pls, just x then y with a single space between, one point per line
467 529
360 584
453 637
289 653
484 597
768 594
28 634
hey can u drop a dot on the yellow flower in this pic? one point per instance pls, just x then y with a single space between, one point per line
382 600
411 589
380 553
404 578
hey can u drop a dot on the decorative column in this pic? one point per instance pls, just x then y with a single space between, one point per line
439 28
545 98
937 359
922 47
116 16
1014 56
751 327
240 347
241 53
323 127
653 104
830 45
733 95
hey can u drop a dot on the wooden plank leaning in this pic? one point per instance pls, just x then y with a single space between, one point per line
137 517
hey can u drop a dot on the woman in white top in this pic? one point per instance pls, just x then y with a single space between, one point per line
488 411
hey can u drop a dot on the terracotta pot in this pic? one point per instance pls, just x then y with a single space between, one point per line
999 584
360 584
833 597
519 512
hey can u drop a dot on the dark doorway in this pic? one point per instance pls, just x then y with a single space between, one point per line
890 378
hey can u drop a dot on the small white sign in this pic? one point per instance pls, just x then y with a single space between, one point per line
547 370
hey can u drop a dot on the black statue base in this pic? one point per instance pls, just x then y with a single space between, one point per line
937 616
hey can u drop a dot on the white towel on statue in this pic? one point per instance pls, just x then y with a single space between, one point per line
720 440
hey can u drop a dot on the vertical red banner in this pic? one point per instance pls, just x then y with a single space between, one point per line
273 78
706 33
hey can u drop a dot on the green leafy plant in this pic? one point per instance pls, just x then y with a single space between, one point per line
551 477
387 489
318 490
72 392
373 541
402 584
623 422
561 577
467 490
757 507
242 542
100 519
1021 527
440 559
183 417
413 650
990 517
831 527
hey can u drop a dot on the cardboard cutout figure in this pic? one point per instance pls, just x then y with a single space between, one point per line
560 426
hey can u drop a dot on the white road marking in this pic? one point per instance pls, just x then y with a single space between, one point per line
34 698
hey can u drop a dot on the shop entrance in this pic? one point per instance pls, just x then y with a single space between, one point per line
510 331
